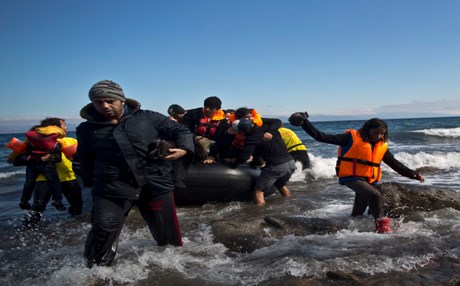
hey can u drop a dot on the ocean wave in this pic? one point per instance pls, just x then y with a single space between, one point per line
439 160
324 168
11 174
441 132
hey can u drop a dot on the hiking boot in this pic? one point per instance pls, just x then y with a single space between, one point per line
285 192
24 205
58 205
382 225
259 198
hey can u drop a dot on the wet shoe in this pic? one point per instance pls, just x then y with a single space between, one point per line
58 205
24 205
382 225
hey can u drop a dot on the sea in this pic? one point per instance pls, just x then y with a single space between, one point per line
420 252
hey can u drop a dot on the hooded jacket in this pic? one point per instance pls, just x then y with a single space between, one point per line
115 158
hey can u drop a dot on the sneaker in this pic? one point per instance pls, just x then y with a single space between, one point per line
24 205
58 205
382 225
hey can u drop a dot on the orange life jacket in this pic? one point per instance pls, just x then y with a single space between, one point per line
42 144
68 146
257 119
44 139
207 126
17 145
240 137
360 159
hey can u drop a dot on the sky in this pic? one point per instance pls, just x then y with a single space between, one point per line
332 58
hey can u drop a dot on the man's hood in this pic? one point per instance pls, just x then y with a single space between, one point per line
90 113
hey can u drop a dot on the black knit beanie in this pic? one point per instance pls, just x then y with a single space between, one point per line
106 89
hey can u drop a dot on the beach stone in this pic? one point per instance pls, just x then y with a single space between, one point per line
399 198
302 226
243 236
247 235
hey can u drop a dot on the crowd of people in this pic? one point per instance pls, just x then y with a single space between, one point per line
114 148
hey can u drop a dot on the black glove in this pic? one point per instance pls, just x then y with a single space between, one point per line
298 118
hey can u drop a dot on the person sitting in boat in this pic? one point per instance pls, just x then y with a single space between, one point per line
360 154
176 112
207 123
41 154
295 147
279 165
229 113
234 141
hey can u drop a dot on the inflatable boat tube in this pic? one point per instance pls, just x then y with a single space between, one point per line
217 183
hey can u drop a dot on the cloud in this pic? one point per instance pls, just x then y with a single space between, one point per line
442 106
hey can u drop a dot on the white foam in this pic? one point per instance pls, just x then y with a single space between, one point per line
299 174
322 168
325 167
441 132
11 174
334 209
439 160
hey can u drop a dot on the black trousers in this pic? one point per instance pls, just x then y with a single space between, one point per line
70 189
302 157
47 169
366 195
109 215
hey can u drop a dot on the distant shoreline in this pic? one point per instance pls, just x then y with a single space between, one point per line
21 126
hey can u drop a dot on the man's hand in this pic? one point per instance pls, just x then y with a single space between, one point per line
420 178
210 160
46 158
175 153
268 136
298 118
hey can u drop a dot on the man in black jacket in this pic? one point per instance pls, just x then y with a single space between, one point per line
114 147
270 146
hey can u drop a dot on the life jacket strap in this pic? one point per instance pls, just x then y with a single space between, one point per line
360 161
296 145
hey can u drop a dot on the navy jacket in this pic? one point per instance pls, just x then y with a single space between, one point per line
115 158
